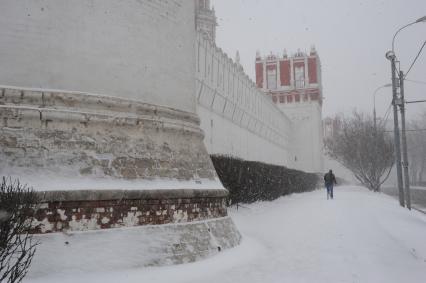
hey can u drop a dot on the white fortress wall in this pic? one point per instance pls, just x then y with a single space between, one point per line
97 104
100 88
308 135
237 118
102 46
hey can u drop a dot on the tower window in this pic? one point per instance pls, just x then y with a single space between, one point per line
271 76
299 74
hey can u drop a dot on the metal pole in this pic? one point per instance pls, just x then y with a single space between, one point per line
396 134
374 115
375 141
374 108
404 143
374 103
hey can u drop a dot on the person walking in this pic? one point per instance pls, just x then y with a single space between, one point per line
329 181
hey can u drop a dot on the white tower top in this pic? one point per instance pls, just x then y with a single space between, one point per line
237 57
205 19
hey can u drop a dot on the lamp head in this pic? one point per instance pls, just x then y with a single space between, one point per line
390 55
422 19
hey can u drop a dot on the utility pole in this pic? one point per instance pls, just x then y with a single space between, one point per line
404 142
391 56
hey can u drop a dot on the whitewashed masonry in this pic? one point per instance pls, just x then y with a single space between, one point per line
237 118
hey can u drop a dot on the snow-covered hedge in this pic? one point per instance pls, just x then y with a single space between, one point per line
250 181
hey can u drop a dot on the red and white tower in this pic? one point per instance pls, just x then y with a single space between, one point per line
290 79
294 84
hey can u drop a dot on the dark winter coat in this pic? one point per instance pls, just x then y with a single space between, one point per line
329 179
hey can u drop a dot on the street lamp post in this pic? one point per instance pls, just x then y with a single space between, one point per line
419 20
404 143
376 178
374 103
399 101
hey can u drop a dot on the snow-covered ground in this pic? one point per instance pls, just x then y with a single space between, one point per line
52 182
359 236
418 195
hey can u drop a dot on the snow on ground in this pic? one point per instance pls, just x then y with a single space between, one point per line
359 236
52 182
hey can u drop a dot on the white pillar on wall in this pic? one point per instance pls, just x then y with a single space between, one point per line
278 75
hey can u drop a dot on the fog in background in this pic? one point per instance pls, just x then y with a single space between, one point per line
351 38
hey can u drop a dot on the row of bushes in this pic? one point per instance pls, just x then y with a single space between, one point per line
250 181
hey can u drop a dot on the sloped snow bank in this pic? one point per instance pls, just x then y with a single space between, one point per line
359 236
101 251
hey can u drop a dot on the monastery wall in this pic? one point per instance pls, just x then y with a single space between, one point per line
237 118
307 132
100 88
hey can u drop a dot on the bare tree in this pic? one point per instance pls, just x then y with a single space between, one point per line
17 246
364 148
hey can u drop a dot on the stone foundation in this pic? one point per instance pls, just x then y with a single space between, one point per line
78 134
62 137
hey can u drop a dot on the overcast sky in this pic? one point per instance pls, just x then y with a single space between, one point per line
351 38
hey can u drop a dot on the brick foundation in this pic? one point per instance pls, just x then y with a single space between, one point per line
81 215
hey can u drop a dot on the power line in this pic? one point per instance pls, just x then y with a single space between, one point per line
417 130
415 101
416 82
412 130
415 59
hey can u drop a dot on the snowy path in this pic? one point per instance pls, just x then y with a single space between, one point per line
357 237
